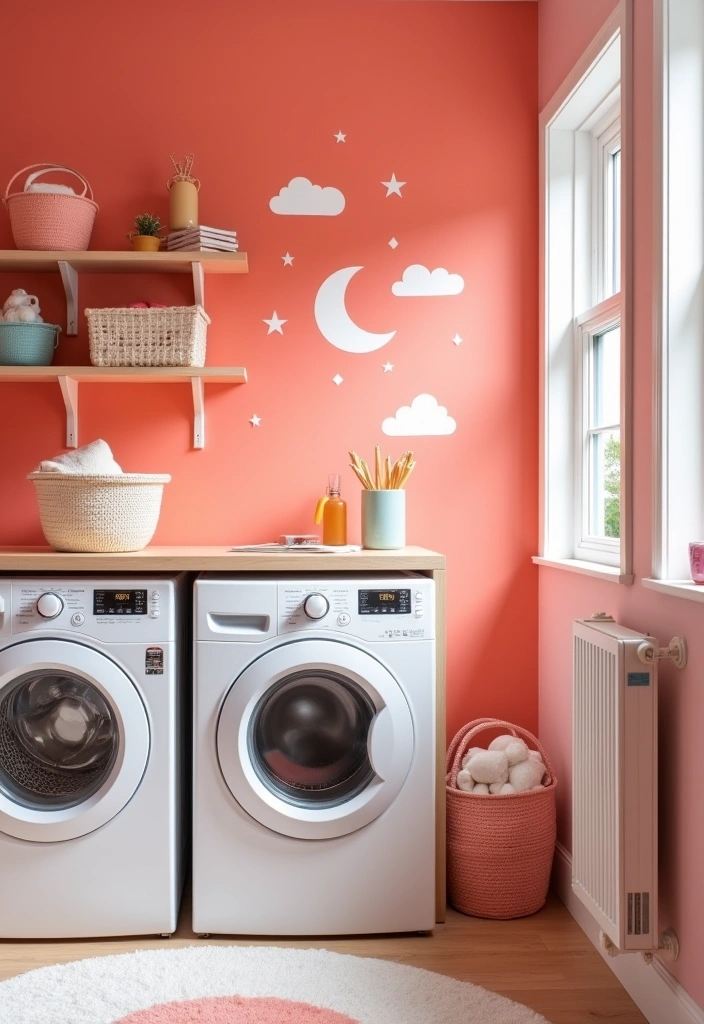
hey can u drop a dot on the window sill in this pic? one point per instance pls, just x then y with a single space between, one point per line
677 588
601 572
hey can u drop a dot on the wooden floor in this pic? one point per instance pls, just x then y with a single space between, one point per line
544 961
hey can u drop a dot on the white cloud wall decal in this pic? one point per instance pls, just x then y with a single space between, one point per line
423 416
420 280
302 198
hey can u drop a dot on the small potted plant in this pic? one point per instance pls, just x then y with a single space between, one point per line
145 237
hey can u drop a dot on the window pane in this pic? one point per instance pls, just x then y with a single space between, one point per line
606 379
605 484
616 222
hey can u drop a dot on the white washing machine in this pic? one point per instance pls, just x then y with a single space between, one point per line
91 740
314 755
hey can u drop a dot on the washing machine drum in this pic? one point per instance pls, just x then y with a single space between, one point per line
74 740
315 739
58 739
309 738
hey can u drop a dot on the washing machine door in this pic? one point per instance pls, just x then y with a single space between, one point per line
315 739
74 740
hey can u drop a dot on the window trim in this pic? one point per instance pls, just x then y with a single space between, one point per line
678 348
557 305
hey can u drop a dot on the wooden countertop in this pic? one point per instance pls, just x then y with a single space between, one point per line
197 559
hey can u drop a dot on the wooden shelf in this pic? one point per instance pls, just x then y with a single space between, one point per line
69 377
124 374
126 262
196 558
69 264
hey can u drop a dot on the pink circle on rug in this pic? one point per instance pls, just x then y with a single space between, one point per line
236 1010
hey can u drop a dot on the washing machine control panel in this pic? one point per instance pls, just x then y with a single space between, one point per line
120 611
371 609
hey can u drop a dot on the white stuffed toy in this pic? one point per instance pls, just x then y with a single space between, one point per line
22 308
526 775
488 766
508 766
470 754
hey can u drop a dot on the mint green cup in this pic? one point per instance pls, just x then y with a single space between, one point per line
384 519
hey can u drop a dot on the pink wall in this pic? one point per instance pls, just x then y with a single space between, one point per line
444 95
565 29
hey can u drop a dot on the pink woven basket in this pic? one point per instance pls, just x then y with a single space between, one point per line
499 848
50 220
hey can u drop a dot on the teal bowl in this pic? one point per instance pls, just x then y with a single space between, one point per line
28 344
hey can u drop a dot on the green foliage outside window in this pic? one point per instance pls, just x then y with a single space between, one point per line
612 486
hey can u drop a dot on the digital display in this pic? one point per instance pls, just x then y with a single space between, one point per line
384 602
119 602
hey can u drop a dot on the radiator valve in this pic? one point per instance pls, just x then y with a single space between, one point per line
649 652
668 947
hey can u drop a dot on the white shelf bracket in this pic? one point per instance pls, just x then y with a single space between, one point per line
198 284
198 412
69 389
70 280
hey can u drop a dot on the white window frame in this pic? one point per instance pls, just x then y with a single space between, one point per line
607 141
592 323
578 128
678 422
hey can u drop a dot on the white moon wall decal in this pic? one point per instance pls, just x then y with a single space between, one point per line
335 323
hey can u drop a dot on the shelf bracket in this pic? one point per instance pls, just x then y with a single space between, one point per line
198 284
69 389
70 280
198 412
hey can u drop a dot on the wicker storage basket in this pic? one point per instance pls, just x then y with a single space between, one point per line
50 220
30 344
99 513
499 848
172 336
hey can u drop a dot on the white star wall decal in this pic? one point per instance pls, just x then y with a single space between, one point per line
388 367
337 379
275 324
340 136
255 420
392 241
457 340
393 186
288 259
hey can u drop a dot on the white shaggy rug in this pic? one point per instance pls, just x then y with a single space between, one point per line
198 984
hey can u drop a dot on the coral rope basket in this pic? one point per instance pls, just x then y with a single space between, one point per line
499 847
50 220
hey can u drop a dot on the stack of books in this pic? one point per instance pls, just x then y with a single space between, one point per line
202 239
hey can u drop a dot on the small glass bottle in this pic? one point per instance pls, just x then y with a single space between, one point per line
333 512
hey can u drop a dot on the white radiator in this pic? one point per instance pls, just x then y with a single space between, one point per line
615 777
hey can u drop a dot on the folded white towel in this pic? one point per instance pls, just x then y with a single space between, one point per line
93 458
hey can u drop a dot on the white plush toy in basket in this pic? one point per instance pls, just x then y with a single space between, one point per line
86 503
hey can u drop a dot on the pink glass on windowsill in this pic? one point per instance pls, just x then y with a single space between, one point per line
696 561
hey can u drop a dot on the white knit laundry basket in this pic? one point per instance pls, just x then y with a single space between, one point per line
99 513
168 336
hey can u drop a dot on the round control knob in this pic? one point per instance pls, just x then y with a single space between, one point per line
316 606
49 606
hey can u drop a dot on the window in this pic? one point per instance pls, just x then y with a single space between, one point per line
585 450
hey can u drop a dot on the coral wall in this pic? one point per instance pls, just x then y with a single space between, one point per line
566 28
441 95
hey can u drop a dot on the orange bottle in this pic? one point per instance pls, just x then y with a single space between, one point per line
332 512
